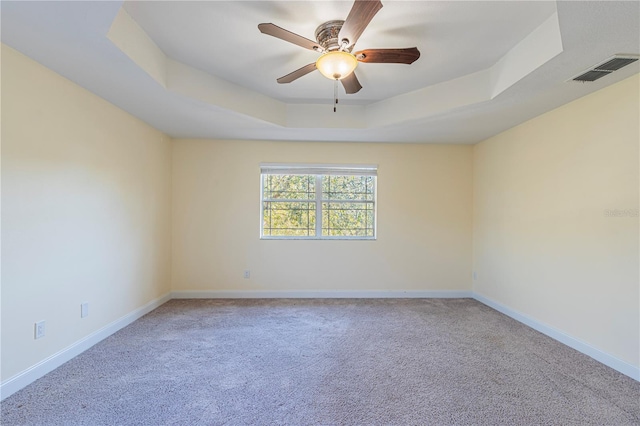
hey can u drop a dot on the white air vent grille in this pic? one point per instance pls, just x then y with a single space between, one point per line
605 68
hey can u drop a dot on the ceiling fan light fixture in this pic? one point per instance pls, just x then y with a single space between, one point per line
337 64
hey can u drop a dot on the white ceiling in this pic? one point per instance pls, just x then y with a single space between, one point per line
199 34
202 69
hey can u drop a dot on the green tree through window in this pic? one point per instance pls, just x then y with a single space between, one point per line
319 205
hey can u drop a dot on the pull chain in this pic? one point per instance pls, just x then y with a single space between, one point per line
335 95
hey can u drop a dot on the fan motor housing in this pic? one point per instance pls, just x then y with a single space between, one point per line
327 35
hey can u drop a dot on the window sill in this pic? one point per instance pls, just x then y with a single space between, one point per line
321 238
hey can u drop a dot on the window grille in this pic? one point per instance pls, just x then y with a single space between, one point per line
318 201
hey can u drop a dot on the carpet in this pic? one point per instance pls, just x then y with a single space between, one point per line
327 362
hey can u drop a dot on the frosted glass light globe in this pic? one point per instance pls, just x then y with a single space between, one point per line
336 65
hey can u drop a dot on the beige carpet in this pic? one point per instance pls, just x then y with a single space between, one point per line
328 362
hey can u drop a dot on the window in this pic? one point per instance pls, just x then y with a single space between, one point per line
318 202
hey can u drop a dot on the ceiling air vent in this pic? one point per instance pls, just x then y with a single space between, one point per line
606 68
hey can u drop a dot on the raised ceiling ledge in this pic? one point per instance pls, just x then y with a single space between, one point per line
204 87
537 48
127 36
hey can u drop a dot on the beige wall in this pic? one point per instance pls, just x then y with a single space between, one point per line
88 216
543 245
85 212
424 220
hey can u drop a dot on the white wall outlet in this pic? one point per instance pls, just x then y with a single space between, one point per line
84 310
39 330
247 273
475 275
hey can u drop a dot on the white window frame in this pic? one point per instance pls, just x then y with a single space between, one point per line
319 170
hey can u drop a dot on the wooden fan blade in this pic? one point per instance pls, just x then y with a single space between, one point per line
297 73
351 84
389 56
359 17
281 33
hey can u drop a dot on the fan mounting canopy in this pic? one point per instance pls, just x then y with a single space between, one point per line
327 35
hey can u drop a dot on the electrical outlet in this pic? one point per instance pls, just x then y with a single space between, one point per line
84 310
475 275
39 330
247 273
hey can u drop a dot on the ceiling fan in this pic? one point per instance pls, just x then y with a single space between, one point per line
335 41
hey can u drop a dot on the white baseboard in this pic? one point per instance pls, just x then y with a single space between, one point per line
49 364
378 294
606 359
33 373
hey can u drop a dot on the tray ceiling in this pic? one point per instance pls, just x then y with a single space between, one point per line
202 69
